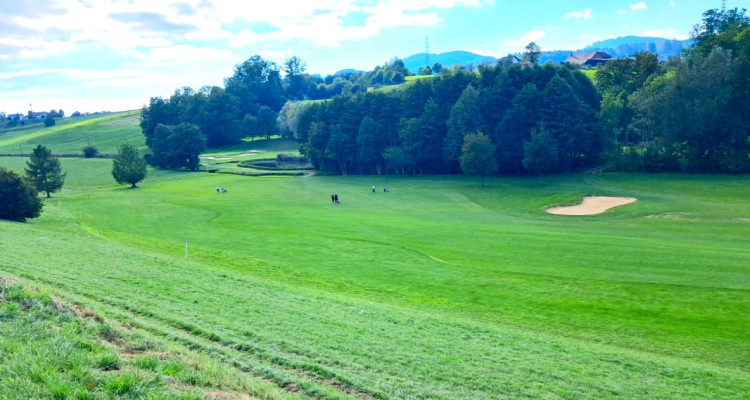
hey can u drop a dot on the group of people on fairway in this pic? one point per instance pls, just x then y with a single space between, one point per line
335 197
220 189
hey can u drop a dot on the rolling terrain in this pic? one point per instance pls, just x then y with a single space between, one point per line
438 289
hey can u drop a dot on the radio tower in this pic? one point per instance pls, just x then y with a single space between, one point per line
426 52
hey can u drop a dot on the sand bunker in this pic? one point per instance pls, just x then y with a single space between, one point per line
216 158
591 205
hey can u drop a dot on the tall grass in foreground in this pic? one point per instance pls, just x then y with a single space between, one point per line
52 350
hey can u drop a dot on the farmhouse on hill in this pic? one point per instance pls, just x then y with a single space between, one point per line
589 58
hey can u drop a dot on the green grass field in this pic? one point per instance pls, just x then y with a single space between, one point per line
70 135
439 289
590 73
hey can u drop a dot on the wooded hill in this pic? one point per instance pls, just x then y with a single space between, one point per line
689 114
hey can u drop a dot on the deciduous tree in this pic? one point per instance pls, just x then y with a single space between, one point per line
478 155
540 153
178 146
533 53
128 166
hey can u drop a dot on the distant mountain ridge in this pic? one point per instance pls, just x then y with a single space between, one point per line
617 47
414 62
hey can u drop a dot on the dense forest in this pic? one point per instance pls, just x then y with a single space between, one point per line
687 114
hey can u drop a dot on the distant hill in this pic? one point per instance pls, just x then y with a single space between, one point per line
414 62
618 48
629 45
348 71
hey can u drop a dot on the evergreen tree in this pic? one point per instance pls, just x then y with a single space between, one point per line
478 155
43 171
370 145
515 127
20 200
464 119
128 166
49 121
570 122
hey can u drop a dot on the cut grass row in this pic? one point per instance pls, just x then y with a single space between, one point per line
399 295
50 349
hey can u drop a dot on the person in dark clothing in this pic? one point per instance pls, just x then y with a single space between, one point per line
336 198
333 199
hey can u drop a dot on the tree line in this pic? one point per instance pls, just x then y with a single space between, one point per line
688 114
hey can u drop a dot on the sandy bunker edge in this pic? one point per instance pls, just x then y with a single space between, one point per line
591 205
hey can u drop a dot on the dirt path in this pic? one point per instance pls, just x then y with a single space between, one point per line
591 205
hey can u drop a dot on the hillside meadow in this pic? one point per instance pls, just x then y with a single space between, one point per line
439 289
70 135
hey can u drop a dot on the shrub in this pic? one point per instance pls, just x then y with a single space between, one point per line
291 158
90 151
49 121
20 199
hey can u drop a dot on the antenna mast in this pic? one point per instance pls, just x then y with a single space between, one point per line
723 5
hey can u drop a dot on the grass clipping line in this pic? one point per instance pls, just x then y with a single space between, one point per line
592 205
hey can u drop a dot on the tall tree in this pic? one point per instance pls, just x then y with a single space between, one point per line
540 153
464 119
128 166
295 82
533 53
699 107
219 118
178 146
370 145
515 127
720 28
397 158
256 82
571 124
20 200
44 171
478 155
341 148
267 122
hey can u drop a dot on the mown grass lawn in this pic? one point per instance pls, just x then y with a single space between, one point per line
440 288
105 132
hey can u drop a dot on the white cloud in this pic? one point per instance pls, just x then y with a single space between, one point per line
530 36
180 54
670 33
128 26
585 14
671 3
639 6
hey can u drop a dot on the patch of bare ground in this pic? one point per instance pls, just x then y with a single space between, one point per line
592 205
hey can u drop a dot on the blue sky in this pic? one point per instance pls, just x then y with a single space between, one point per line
96 55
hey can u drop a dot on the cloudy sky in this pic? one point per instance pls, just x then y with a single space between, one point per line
94 55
